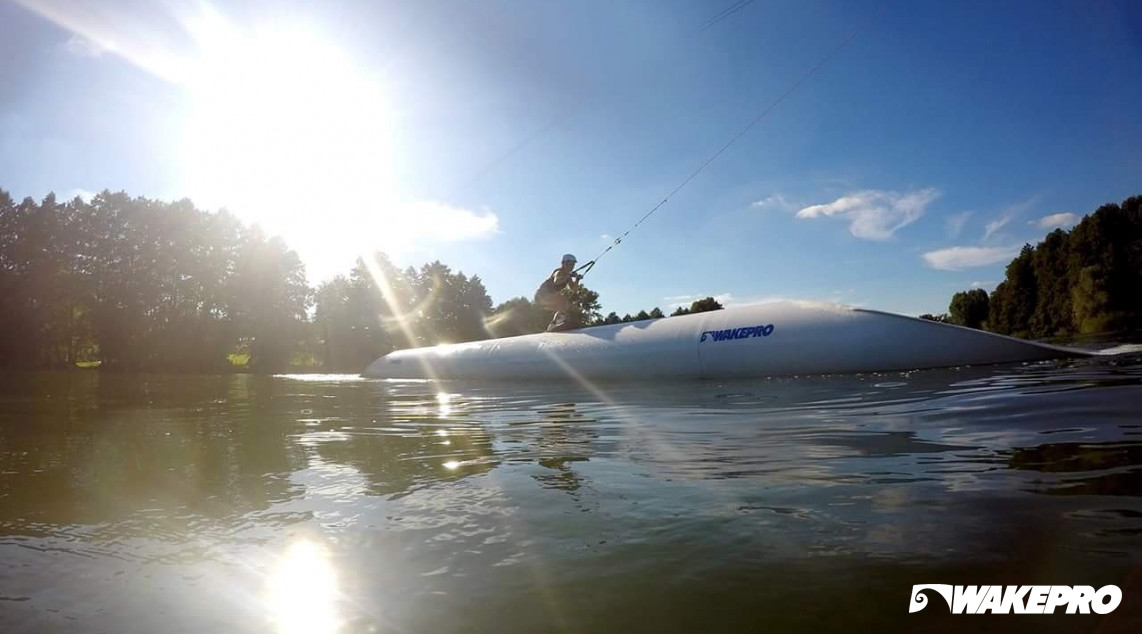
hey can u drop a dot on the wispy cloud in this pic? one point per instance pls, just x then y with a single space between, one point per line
1055 221
775 202
875 214
990 228
1006 216
956 222
987 286
959 258
81 46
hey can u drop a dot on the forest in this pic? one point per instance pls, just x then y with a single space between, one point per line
1081 281
132 284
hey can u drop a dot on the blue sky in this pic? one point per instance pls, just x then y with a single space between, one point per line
496 136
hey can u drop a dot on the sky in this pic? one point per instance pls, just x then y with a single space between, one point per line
496 136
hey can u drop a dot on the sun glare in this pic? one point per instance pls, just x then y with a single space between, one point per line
284 125
287 131
301 592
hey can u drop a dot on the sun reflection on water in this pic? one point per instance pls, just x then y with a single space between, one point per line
444 399
301 593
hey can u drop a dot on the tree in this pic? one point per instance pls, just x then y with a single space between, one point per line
969 308
19 345
271 299
584 305
366 315
517 316
1053 307
1084 280
704 305
348 323
1013 301
656 313
700 306
451 306
1106 266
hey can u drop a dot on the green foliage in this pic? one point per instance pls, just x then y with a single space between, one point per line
1054 311
143 285
269 301
941 318
584 305
517 316
612 318
642 315
450 307
352 322
700 306
968 308
380 308
1082 281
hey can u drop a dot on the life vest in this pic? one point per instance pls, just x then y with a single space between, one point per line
549 285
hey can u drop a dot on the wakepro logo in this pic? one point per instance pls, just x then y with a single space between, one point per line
738 333
1019 599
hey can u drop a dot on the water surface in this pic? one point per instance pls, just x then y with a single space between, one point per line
332 503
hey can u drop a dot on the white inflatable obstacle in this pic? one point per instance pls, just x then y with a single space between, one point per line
775 339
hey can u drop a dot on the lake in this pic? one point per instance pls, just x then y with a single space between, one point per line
335 504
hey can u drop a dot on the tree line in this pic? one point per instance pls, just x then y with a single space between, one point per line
135 284
140 285
1085 280
699 306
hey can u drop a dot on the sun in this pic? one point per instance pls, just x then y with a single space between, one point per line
284 129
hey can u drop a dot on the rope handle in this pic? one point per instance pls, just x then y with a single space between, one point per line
585 269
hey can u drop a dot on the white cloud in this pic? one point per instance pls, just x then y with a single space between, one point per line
875 214
956 223
987 286
959 258
606 237
775 202
440 222
1055 221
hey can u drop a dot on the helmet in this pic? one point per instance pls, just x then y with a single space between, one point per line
567 257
